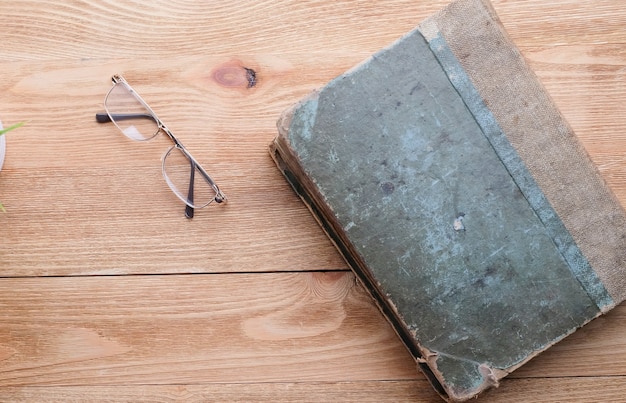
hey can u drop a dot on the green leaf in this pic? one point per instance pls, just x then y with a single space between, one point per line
8 129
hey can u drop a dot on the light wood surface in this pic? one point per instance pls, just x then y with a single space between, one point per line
108 293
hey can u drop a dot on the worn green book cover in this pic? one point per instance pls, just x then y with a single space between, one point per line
455 190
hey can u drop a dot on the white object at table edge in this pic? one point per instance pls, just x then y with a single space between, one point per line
3 147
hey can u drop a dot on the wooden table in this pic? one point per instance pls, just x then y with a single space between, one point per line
108 292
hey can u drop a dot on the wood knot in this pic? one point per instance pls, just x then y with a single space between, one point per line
316 308
233 75
330 286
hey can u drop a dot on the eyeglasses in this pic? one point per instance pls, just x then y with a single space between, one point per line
136 120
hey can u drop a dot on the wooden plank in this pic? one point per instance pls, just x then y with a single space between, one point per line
411 391
562 22
104 188
133 30
80 202
269 327
375 392
107 330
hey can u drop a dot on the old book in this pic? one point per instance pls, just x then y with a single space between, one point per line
455 190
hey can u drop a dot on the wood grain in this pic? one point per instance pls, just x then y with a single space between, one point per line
103 330
232 329
586 390
108 293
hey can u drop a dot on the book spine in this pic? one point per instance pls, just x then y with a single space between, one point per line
524 145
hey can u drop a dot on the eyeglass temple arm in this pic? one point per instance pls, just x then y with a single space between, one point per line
219 196
105 118
188 209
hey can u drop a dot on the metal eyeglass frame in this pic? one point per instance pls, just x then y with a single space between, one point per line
108 117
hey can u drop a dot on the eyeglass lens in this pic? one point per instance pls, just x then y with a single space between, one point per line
186 178
129 114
